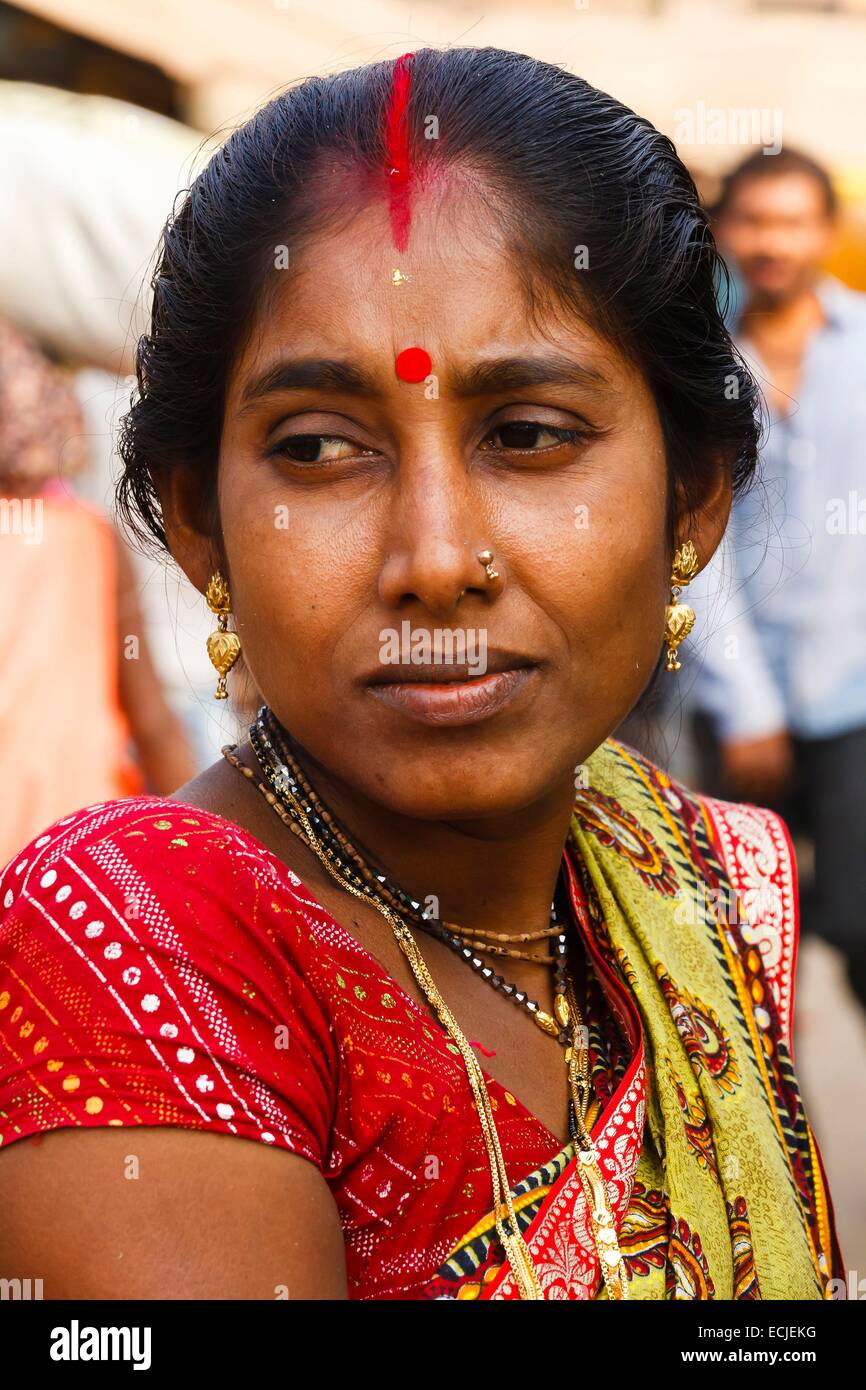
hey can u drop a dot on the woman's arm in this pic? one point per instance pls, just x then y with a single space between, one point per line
165 1213
171 1079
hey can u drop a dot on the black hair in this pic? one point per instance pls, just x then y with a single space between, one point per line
561 165
761 166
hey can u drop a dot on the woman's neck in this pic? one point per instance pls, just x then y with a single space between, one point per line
495 872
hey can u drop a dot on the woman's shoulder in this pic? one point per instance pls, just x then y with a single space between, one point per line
753 842
152 970
142 844
122 817
46 868
752 847
175 877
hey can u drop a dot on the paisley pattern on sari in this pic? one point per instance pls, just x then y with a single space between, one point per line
722 1193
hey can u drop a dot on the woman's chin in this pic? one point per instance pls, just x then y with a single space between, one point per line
448 792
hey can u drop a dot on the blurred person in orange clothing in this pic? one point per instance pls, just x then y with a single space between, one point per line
83 717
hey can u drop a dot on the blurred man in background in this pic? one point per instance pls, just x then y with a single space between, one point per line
782 688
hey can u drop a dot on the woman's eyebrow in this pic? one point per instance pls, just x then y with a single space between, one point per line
508 373
309 373
482 378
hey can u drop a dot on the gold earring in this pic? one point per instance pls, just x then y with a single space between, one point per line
679 617
223 647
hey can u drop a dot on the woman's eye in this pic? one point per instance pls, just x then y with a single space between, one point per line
521 436
316 448
529 436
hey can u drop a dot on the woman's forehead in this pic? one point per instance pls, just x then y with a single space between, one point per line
458 291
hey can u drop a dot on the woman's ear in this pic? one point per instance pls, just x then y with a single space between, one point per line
190 525
704 523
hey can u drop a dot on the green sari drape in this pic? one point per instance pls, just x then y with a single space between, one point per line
687 908
728 1151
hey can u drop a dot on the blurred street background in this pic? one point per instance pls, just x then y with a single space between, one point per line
107 109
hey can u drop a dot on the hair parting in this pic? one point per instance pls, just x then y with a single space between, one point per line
399 159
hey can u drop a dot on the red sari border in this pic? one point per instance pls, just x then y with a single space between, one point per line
758 855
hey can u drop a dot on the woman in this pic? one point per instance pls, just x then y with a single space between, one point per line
438 410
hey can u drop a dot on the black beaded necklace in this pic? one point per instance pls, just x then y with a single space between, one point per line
285 778
291 796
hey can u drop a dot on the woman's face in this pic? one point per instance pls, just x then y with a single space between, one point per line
353 513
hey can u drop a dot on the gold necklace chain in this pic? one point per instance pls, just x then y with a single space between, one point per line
476 937
592 1180
289 785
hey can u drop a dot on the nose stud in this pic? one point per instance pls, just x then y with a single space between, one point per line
485 558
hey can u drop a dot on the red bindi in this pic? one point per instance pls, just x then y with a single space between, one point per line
413 364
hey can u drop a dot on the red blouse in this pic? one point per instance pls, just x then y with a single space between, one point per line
160 966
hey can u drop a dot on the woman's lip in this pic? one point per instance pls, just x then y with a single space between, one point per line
463 702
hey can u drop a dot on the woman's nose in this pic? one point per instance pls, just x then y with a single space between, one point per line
436 540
